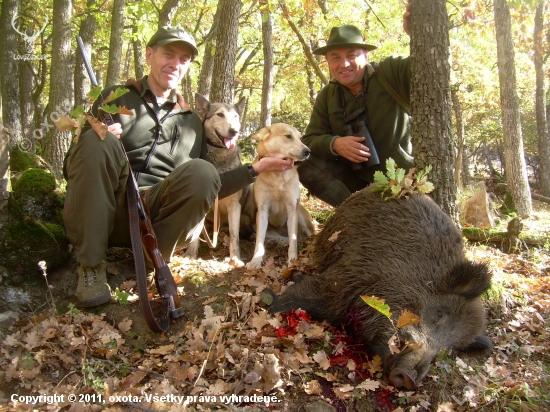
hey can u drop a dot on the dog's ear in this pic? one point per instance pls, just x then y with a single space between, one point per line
240 105
261 134
202 105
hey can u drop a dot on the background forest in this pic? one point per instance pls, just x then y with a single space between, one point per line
34 85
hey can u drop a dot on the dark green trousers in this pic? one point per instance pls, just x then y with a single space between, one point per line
96 214
332 181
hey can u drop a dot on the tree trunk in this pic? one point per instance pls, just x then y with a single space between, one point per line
60 101
82 84
223 75
540 103
205 76
167 12
115 44
138 53
457 108
127 62
11 112
311 84
431 100
269 67
4 176
26 84
516 170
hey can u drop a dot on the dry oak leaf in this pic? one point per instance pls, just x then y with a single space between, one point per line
162 350
369 385
313 388
407 318
132 379
125 110
334 236
375 365
259 320
125 325
393 343
66 123
209 301
99 128
322 359
344 392
446 407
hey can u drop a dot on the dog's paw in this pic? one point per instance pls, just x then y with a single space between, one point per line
254 264
236 262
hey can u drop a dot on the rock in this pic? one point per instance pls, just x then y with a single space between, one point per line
13 299
319 406
477 212
34 197
34 228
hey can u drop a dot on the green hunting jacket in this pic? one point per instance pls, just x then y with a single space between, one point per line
386 120
159 139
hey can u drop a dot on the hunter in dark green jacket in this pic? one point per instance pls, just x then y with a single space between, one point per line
376 94
167 152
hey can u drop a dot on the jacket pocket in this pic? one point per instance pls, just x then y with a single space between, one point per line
175 140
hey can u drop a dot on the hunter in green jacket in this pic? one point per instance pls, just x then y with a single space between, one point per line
359 91
167 152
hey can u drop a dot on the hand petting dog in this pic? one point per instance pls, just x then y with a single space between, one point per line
273 164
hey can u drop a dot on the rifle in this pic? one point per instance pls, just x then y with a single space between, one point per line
144 241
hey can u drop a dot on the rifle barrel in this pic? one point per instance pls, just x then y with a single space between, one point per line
86 61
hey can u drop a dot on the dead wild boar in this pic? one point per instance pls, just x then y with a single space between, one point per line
408 252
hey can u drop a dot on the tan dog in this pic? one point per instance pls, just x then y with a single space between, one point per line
277 194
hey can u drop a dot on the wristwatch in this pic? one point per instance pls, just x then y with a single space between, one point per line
252 172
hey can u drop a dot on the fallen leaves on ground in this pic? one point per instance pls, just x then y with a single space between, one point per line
240 349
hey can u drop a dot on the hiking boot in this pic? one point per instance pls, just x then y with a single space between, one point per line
92 289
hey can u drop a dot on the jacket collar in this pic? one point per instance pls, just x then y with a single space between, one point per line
143 87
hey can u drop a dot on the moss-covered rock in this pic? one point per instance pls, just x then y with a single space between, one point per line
21 160
28 242
34 229
34 197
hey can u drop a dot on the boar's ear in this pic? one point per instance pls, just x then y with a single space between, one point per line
261 134
469 279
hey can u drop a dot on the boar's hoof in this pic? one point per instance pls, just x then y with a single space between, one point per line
401 378
481 344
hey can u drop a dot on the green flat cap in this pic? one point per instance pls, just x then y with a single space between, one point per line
344 36
167 34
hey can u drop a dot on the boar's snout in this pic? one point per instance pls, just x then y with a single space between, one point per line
403 378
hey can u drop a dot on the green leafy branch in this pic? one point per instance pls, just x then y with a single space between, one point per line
80 115
396 184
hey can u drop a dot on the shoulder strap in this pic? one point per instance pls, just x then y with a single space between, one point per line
393 93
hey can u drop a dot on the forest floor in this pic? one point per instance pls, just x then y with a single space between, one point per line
227 348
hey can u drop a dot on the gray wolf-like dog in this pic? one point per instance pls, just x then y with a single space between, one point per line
221 127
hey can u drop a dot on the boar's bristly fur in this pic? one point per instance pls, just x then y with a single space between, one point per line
408 252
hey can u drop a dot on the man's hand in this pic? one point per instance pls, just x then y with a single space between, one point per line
351 148
272 164
115 129
407 19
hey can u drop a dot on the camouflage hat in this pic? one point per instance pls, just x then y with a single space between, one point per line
167 34
344 36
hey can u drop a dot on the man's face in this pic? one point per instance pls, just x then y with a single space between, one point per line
168 64
347 65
